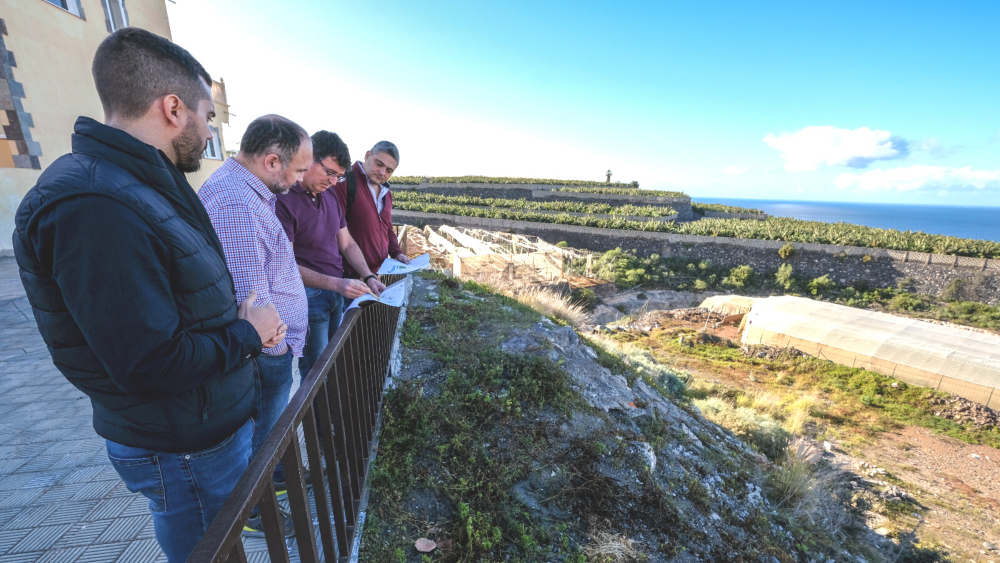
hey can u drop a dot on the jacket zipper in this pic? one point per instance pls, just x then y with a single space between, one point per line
203 397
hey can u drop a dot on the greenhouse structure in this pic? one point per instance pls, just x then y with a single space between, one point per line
960 361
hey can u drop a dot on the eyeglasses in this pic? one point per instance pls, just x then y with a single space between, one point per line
331 173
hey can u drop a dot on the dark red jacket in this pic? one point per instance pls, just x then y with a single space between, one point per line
370 229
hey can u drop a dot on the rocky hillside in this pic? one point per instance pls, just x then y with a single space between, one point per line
510 438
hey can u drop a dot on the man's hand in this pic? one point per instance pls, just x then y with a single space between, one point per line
351 289
264 318
376 286
278 337
403 258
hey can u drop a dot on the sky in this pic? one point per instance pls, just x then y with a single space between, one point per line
893 102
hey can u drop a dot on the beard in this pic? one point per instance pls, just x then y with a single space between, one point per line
189 147
276 183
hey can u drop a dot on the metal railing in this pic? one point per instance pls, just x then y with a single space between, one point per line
338 406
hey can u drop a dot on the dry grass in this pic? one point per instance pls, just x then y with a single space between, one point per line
605 547
807 491
542 299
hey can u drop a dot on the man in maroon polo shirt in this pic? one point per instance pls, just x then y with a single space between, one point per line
315 225
368 207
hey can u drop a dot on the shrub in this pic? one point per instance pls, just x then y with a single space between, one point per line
562 244
979 314
584 297
821 285
739 277
785 277
703 207
787 251
759 430
907 302
953 290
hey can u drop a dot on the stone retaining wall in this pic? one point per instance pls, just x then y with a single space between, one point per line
929 273
543 192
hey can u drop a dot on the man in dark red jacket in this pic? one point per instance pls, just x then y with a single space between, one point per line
367 204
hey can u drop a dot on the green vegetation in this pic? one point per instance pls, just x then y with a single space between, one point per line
703 207
687 274
787 251
625 191
535 217
417 201
772 228
470 452
412 180
840 401
584 297
466 438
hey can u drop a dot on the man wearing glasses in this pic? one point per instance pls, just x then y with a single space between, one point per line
314 222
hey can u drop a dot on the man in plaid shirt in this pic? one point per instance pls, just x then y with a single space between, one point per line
240 198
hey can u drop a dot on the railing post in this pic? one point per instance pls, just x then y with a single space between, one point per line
322 497
298 496
274 532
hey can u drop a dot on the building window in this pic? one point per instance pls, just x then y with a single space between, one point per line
115 14
213 150
71 6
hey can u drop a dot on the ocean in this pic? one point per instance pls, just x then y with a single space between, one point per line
957 221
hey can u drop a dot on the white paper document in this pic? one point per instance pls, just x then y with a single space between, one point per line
393 295
393 266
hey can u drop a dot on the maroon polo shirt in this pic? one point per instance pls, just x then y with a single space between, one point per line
312 223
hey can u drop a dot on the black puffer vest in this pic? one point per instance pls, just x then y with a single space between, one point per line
111 163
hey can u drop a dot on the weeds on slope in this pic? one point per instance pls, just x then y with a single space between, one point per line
840 401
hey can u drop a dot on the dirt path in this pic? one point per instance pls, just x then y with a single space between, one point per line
959 483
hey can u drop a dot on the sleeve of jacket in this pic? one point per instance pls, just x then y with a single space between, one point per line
394 249
119 293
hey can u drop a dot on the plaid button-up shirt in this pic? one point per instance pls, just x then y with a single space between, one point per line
257 251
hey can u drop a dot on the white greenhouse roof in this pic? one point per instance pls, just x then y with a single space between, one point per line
961 354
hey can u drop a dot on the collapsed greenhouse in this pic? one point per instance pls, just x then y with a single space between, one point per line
962 362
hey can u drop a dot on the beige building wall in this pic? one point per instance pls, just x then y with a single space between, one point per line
54 49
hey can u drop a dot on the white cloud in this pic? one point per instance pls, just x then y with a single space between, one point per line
733 170
934 148
922 178
816 146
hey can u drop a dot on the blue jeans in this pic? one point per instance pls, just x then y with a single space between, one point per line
326 310
274 381
185 491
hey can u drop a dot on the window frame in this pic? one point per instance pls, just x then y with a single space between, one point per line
115 14
215 144
71 6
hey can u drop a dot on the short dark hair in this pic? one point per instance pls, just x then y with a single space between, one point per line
133 67
327 144
388 148
273 134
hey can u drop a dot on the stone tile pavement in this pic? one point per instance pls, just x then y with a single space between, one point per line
60 499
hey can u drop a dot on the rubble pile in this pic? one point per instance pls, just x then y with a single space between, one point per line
770 352
965 411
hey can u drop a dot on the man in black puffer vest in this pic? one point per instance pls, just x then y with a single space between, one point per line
129 286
